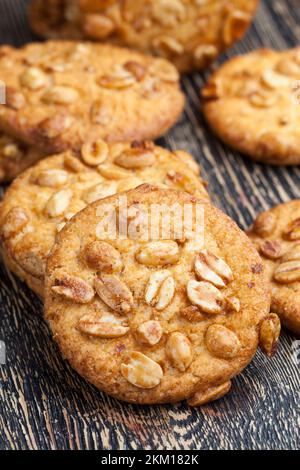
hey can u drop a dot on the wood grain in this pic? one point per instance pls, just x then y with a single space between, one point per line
46 405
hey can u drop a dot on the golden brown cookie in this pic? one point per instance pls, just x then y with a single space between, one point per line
15 157
60 94
190 33
276 234
156 319
41 200
252 104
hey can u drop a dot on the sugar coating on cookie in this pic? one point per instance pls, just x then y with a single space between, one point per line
276 234
252 104
59 94
155 320
46 196
190 33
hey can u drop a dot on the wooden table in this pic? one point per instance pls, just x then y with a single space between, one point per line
46 405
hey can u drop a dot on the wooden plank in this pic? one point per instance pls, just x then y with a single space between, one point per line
46 405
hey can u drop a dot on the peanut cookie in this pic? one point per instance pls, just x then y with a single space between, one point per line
60 94
15 157
276 234
41 200
251 103
190 33
157 319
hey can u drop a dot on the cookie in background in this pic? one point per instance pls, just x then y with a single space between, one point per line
252 103
190 33
60 94
276 234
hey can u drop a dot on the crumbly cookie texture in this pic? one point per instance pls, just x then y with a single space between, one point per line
276 234
156 320
252 104
59 94
15 157
190 33
46 196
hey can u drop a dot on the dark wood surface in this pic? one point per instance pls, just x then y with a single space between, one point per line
46 405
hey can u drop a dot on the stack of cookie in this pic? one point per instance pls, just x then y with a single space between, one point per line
146 317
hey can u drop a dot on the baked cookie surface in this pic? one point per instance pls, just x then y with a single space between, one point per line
190 33
252 104
276 234
46 196
155 320
60 94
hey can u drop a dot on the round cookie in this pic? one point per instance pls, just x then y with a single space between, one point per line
252 104
276 234
60 94
41 200
15 157
190 33
156 320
